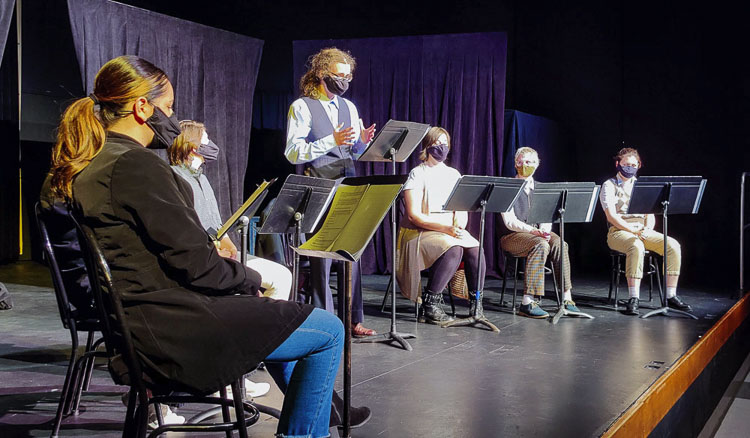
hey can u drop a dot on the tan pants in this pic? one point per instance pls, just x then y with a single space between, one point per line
634 247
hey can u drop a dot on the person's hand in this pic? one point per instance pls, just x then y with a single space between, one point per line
226 248
543 234
368 134
636 229
452 230
343 137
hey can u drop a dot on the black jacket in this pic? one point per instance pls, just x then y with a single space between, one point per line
180 297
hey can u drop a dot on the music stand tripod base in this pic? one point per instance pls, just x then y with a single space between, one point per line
473 320
562 311
665 311
400 338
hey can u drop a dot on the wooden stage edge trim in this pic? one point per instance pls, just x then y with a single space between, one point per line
649 409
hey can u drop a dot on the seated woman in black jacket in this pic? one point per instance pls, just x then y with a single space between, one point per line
195 316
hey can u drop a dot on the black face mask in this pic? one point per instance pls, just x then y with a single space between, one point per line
166 129
335 85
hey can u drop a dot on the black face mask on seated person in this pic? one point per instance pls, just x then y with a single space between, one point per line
165 128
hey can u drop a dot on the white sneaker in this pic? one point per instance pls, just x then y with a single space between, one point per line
169 417
252 389
259 389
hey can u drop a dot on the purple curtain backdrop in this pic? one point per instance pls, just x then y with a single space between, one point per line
213 73
454 81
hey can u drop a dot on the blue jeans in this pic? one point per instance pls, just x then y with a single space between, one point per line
304 367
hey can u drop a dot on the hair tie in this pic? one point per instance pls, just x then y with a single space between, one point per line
97 105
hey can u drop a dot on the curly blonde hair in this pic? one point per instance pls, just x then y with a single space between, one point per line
319 65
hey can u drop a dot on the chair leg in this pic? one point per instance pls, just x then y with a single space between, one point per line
80 377
453 305
653 268
65 394
90 346
505 279
612 268
130 420
617 279
239 410
515 285
554 284
225 409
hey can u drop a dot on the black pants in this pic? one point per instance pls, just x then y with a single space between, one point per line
320 271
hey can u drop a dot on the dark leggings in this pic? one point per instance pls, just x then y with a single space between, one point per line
445 267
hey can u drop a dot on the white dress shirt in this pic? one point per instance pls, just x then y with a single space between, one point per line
299 124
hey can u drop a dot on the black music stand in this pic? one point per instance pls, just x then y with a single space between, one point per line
563 202
298 209
350 252
666 195
394 142
492 194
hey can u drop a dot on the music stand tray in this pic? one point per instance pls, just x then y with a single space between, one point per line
666 195
395 142
563 202
492 194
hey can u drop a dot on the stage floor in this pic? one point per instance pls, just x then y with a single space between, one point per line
572 379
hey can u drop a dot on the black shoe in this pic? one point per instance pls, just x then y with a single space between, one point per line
676 303
357 416
632 307
432 309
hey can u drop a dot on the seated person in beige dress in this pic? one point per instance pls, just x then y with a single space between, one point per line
430 237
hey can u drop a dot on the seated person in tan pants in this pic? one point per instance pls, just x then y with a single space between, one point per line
632 234
534 241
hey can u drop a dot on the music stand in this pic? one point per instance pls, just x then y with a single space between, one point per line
666 195
563 202
394 142
481 193
298 209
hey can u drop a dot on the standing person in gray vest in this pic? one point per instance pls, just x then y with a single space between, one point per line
534 241
325 133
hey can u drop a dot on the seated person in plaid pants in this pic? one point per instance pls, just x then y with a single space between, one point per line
632 234
536 242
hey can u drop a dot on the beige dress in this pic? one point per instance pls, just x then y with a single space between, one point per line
418 249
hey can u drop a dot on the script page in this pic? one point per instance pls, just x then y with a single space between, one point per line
344 204
366 218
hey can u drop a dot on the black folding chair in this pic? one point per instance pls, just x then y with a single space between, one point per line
119 343
80 367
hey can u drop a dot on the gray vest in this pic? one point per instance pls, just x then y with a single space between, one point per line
521 209
338 162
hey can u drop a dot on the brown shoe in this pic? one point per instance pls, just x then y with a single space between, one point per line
360 331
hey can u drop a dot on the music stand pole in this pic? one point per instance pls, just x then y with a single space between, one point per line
476 316
562 311
393 334
664 310
299 216
346 419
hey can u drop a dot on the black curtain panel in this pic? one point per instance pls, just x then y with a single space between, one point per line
213 73
9 180
454 81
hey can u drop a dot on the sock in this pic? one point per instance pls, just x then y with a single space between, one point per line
671 292
634 292
526 300
567 296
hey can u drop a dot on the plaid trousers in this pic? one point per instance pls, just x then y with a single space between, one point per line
536 250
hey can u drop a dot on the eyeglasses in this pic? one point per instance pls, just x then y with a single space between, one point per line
345 76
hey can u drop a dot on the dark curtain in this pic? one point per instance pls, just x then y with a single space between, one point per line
213 73
542 134
9 135
454 81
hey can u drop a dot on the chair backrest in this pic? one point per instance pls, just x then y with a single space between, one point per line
63 304
117 337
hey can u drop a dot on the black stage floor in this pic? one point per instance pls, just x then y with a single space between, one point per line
572 379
